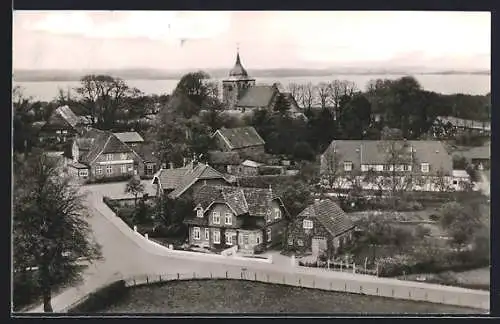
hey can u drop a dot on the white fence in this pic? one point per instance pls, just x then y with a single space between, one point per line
456 297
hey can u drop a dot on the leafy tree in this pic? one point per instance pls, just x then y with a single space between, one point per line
296 196
459 221
50 229
135 188
356 117
303 151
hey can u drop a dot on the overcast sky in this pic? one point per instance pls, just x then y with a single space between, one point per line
267 39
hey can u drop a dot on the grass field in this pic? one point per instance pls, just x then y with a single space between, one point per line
234 296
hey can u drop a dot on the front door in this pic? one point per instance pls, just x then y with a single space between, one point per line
318 245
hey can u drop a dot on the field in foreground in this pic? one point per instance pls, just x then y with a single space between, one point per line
234 296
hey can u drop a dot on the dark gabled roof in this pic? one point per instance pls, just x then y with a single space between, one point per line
330 215
129 137
224 158
181 179
375 152
240 137
95 142
257 96
242 200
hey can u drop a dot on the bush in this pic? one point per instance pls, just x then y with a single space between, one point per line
434 217
109 179
266 170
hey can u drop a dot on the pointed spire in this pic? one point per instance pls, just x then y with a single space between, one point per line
238 69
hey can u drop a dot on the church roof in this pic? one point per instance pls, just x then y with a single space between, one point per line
238 71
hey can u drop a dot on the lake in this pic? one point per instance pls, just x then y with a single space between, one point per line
447 84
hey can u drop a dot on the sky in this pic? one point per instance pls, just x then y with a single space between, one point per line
266 39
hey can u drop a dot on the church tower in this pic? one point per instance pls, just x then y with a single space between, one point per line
236 84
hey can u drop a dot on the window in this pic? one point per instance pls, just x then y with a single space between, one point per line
228 218
196 233
268 218
364 168
424 167
123 156
455 182
109 157
269 232
149 166
257 239
277 213
379 167
407 167
123 169
109 169
300 243
229 238
58 132
216 236
207 234
347 166
65 132
245 239
84 173
216 218
399 167
307 224
98 169
199 212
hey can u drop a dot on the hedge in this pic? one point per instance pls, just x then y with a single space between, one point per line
109 179
264 181
101 298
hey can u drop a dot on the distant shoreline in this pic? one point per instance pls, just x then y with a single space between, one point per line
60 76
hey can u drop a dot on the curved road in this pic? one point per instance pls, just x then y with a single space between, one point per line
126 254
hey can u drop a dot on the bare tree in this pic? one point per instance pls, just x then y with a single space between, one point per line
338 90
295 91
306 95
102 96
324 94
399 167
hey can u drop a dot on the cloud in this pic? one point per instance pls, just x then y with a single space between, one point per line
164 25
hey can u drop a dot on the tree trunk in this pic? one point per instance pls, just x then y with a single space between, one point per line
47 305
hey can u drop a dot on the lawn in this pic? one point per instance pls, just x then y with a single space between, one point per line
234 296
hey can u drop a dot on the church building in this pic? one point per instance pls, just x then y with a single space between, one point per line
240 93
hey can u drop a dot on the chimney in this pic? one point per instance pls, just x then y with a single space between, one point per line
171 165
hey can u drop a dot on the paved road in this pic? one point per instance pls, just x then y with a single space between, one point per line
484 185
126 254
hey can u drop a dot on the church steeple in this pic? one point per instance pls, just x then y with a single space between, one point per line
238 70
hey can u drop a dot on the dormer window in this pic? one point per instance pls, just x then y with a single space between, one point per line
307 224
199 212
109 157
347 166
424 167
277 213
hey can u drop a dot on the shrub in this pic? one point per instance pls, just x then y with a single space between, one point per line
434 217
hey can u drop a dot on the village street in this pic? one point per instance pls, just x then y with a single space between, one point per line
126 254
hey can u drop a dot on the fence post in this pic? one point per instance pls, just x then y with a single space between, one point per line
267 277
194 275
300 285
360 289
241 275
211 275
160 278
354 268
377 291
226 275
146 236
147 279
314 284
255 275
134 281
345 286
392 292
328 264
330 285
377 269
135 228
178 276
